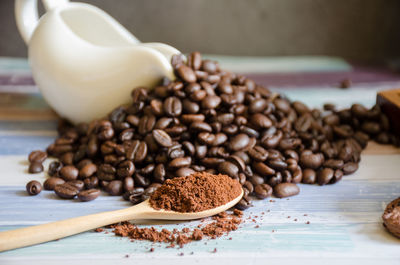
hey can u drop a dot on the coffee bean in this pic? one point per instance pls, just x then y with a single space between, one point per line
162 138
243 204
91 182
200 127
69 173
37 156
359 111
210 102
300 107
371 127
184 171
186 73
334 163
88 170
238 161
297 175
106 172
284 190
263 169
66 191
277 164
88 195
77 183
263 191
194 60
51 182
325 176
257 105
54 167
33 187
172 106
115 188
229 169
309 176
260 121
275 179
35 167
180 162
350 168
136 151
310 160
239 142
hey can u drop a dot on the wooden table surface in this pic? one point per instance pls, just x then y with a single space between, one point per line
345 219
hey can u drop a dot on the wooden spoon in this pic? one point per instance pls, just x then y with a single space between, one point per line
46 232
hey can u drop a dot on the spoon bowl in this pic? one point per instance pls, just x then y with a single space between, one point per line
55 230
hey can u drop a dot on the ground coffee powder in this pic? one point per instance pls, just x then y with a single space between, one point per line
221 224
197 192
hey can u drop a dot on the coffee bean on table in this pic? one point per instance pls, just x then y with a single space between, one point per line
228 168
37 156
33 187
88 170
91 182
243 204
69 173
88 195
186 73
66 191
325 176
309 176
51 182
263 191
79 184
54 167
310 160
115 188
284 190
35 167
350 168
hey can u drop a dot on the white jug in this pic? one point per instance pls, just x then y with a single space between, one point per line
83 61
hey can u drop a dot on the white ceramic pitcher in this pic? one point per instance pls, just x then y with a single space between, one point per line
84 62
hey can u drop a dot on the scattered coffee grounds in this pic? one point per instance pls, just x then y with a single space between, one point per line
214 121
221 225
391 217
194 193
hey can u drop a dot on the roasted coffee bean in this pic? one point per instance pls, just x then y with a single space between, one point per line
239 142
200 127
146 124
334 163
136 192
162 138
66 191
243 204
54 167
180 162
229 169
349 168
106 172
310 160
343 131
256 179
284 190
51 182
77 183
370 127
184 171
210 102
194 60
115 188
337 176
172 106
263 191
128 184
244 156
309 176
69 173
325 175
67 158
260 121
282 105
238 161
88 195
257 105
275 179
249 131
37 156
263 169
88 170
300 107
35 167
297 175
91 182
277 164
136 151
33 187
159 173
149 190
186 73
359 111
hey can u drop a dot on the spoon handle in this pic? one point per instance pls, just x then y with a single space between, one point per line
51 231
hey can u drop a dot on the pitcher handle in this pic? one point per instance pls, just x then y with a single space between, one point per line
26 15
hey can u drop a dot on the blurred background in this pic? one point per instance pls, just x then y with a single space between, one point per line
362 30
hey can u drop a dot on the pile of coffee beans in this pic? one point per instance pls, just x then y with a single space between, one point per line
215 121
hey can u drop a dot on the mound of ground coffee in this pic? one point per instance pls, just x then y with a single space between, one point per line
194 193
